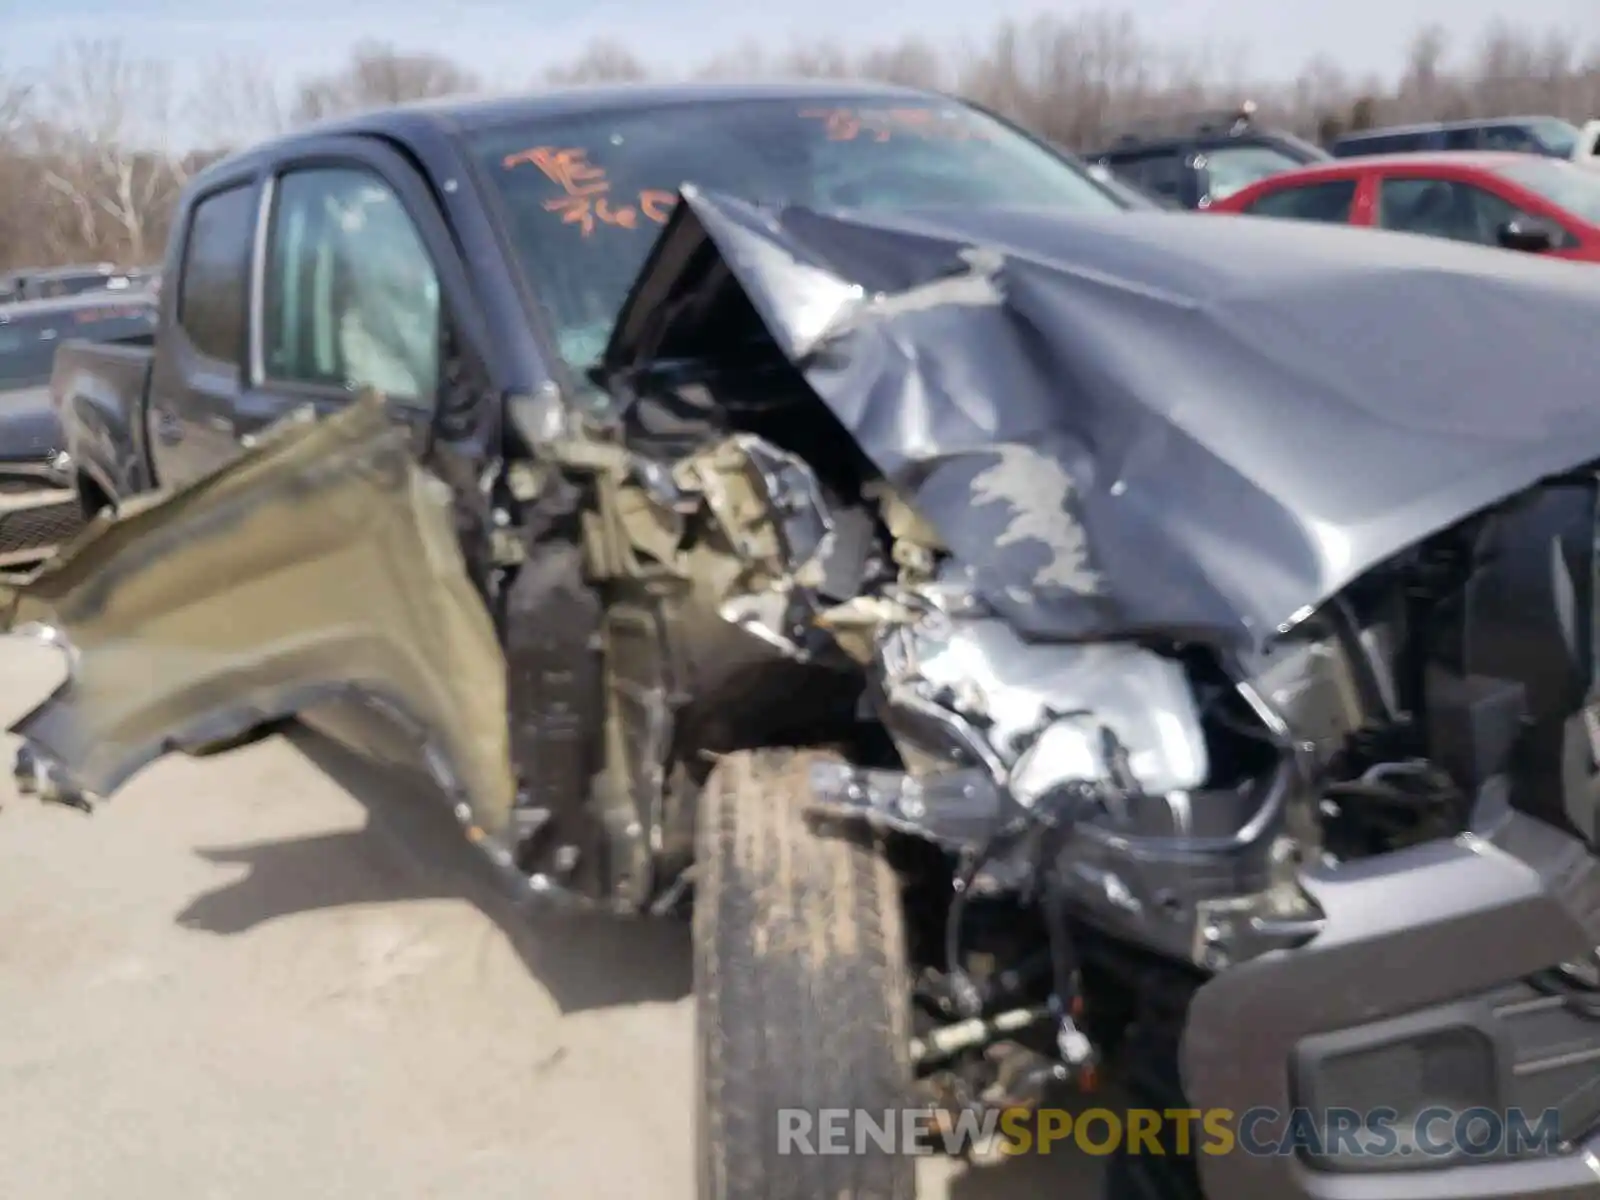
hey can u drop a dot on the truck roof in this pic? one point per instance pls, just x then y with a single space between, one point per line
451 115
477 113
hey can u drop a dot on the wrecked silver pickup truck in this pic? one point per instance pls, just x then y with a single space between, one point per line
1042 641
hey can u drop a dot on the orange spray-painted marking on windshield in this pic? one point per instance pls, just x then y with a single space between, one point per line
841 124
657 205
570 169
882 124
586 200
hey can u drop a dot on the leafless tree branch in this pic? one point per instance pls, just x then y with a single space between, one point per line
89 168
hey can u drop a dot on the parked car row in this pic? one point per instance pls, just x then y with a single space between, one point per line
1197 160
1517 201
1522 183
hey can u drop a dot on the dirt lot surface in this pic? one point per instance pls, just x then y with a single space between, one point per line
247 978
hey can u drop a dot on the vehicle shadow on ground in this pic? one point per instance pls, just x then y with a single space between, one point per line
412 849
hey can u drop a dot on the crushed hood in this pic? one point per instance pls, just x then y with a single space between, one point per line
1151 421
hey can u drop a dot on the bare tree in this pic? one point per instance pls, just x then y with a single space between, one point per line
601 61
377 75
15 95
88 168
106 152
237 103
19 210
911 63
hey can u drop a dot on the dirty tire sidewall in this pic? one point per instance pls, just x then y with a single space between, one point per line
801 991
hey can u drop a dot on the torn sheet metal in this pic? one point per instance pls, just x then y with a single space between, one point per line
1151 421
740 522
321 565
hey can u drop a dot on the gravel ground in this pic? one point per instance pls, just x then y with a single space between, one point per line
251 977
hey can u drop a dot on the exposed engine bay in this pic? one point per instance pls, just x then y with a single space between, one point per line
1085 823
1146 793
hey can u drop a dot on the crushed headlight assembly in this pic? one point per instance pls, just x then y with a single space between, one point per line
1044 711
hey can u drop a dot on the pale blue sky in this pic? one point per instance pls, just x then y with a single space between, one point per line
513 39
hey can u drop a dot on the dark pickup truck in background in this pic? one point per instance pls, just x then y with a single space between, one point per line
1190 160
39 508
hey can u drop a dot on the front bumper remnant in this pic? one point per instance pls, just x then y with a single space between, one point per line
1415 944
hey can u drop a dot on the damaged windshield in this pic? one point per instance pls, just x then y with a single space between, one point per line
585 195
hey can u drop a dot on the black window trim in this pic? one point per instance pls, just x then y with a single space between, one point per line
314 160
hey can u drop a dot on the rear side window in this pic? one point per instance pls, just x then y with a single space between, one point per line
212 279
1160 173
1330 202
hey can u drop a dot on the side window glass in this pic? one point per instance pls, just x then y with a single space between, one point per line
1442 208
352 298
1431 207
1330 202
216 265
1158 173
1462 139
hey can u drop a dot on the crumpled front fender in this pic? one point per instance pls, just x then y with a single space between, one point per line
322 563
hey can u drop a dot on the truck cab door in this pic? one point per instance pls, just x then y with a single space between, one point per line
333 554
321 567
349 295
354 283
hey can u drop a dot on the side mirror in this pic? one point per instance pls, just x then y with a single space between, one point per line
1528 234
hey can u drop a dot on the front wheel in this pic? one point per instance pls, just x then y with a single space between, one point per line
802 997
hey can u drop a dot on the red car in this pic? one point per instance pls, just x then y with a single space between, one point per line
1519 201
